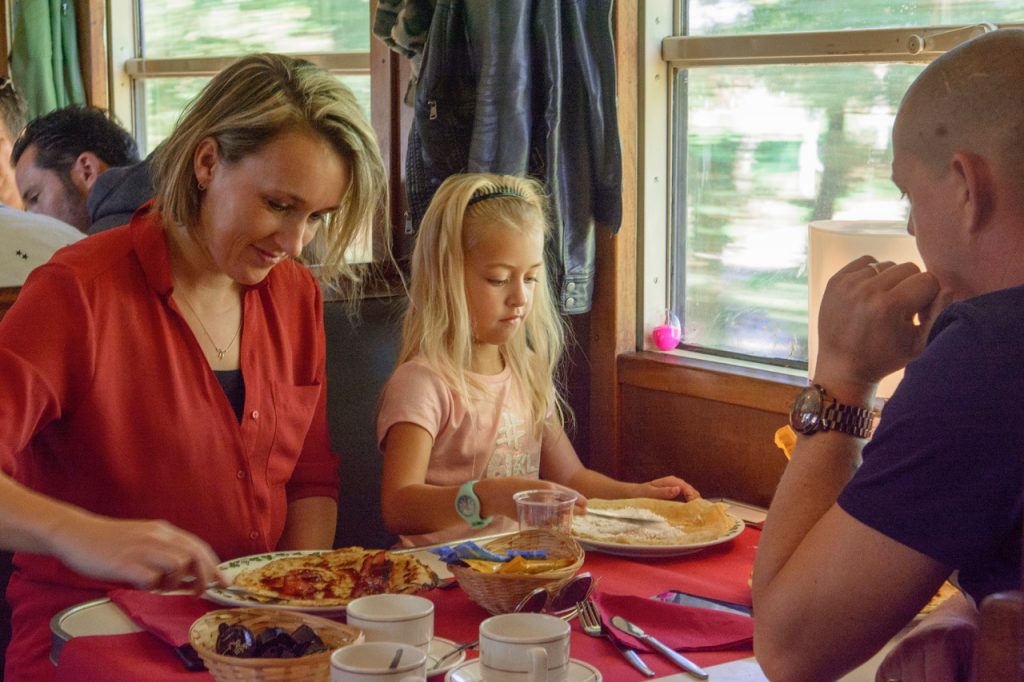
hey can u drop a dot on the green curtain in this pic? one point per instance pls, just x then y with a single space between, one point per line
44 55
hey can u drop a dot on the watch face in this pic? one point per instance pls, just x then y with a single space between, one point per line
806 414
466 506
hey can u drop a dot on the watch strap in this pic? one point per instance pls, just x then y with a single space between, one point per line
467 504
848 419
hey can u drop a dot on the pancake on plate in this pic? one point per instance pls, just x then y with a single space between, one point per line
682 523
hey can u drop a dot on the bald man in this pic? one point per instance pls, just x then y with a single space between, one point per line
861 534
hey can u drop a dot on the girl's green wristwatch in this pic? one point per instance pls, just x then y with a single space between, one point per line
467 504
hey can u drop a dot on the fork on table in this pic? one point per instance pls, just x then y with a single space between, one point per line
590 621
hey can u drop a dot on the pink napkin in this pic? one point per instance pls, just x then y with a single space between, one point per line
166 616
686 628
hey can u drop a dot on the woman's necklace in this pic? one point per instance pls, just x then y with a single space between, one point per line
221 352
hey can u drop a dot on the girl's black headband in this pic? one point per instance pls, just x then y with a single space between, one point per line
492 192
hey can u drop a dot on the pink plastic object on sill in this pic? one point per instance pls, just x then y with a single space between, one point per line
668 334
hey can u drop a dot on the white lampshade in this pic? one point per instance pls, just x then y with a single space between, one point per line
831 244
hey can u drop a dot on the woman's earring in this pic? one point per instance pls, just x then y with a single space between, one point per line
201 186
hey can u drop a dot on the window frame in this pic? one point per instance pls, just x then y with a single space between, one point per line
665 50
127 68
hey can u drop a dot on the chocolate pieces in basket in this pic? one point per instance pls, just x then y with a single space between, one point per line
273 642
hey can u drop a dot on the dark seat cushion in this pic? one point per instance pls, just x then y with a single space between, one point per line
361 354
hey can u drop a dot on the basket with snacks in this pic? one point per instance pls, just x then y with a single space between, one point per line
528 560
269 645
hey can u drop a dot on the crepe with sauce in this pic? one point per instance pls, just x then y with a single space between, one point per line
682 522
337 577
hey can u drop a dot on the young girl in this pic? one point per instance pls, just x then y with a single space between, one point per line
472 415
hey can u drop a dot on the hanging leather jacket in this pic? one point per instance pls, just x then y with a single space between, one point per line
524 87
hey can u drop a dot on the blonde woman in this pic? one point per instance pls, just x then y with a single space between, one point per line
164 403
473 410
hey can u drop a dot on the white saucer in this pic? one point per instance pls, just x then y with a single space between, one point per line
439 646
470 672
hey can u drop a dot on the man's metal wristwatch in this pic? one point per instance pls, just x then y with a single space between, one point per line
815 410
467 504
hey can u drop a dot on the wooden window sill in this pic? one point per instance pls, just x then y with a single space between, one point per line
706 379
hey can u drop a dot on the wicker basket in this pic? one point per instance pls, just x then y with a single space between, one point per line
501 592
314 668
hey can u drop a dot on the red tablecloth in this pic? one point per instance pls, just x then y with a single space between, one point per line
719 572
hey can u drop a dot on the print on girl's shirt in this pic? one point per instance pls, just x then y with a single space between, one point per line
508 458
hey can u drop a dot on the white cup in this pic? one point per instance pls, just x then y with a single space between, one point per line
524 647
371 662
402 618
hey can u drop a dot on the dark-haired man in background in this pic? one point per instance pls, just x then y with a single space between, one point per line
77 164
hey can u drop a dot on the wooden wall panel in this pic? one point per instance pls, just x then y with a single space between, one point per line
724 450
91 18
7 296
5 46
708 423
612 324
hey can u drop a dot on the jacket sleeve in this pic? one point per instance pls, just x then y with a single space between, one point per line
499 35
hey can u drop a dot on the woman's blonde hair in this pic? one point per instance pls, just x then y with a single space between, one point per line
437 324
246 106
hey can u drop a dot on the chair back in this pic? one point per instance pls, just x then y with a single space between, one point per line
361 354
998 653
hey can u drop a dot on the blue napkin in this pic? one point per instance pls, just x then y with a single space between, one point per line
470 550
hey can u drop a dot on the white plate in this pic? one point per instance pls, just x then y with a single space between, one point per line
232 568
439 647
655 551
96 617
470 672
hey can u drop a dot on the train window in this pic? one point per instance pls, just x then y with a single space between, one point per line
164 51
167 50
767 134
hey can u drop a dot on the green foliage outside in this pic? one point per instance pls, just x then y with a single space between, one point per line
220 28
771 148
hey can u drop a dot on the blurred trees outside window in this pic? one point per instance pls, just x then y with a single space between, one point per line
232 28
760 150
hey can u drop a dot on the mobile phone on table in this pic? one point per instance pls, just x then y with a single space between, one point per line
687 599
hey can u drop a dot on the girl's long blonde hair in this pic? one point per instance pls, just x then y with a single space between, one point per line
437 324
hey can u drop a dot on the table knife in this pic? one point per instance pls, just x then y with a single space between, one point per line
674 656
632 656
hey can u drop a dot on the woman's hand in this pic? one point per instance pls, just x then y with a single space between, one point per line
939 649
145 554
665 488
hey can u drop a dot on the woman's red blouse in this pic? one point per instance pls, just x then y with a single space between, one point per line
108 402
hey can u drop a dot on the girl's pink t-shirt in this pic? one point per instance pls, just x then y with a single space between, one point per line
491 440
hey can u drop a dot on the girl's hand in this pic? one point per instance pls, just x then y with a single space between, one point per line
145 554
665 488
